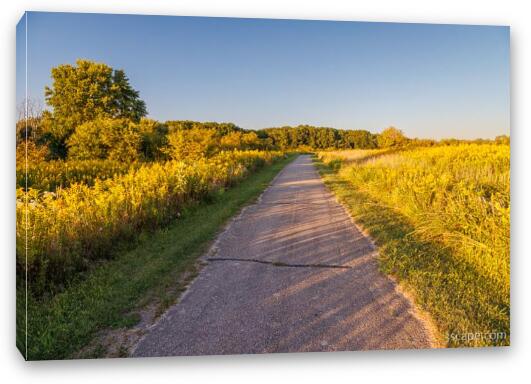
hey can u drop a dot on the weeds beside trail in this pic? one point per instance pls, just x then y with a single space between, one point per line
440 217
107 297
64 233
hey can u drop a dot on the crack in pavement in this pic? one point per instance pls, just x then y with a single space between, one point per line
311 282
280 263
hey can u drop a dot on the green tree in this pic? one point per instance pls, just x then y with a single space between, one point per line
85 92
250 140
241 140
391 137
502 139
317 137
105 138
192 143
126 102
154 139
221 129
232 140
357 139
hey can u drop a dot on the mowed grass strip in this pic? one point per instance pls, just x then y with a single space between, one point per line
460 299
107 297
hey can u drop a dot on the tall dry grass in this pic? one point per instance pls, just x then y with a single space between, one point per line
456 195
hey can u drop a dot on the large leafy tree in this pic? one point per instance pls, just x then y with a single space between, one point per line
87 91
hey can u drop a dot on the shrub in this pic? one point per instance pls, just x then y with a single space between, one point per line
391 137
193 143
114 139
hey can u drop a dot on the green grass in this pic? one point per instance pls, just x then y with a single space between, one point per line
152 271
456 296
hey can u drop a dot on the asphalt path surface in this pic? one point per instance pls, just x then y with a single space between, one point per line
291 273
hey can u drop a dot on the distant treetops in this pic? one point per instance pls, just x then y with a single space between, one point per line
96 114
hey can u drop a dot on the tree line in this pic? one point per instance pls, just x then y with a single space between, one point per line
319 137
95 113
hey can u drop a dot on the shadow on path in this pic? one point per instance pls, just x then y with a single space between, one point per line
290 274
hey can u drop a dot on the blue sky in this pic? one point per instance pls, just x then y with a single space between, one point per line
428 80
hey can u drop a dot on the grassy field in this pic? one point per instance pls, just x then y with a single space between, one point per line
441 218
150 270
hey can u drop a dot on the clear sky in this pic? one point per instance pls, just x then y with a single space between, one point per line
428 80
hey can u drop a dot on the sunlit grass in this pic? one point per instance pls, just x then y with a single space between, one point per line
442 218
334 158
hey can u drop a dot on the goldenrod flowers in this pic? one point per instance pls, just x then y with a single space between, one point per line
70 228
